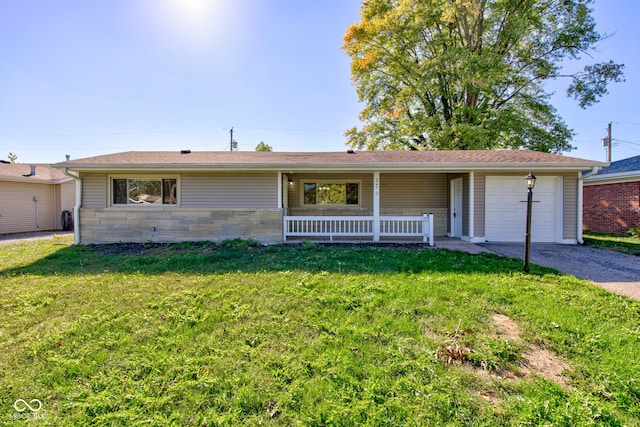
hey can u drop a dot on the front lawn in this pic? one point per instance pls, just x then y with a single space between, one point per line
615 242
240 334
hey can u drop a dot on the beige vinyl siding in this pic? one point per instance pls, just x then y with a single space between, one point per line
68 196
419 191
94 191
570 207
465 204
365 192
400 194
407 194
18 209
479 206
229 191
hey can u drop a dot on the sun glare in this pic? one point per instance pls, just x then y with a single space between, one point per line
189 24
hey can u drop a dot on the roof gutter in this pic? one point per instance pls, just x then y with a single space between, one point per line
76 208
581 179
329 167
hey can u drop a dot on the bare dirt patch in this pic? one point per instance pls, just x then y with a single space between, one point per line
536 360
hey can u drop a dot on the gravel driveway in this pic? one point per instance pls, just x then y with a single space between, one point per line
613 271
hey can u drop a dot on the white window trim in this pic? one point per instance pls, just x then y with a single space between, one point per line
330 181
142 177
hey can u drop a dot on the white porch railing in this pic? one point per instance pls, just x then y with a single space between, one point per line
360 226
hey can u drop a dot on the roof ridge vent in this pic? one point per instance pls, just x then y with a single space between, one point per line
185 151
351 151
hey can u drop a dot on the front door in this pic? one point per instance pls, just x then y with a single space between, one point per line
456 207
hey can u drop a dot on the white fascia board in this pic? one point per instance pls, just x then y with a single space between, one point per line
387 167
32 180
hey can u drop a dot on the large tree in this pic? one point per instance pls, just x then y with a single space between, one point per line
262 146
470 74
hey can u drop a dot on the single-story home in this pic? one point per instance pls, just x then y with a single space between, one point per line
475 196
612 197
34 197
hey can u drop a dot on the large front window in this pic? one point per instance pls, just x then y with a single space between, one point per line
144 191
316 193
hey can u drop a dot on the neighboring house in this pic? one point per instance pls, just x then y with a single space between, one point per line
612 197
33 197
271 197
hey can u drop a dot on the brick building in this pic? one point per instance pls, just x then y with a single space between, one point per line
611 198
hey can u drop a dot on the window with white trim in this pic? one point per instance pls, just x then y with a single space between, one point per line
144 191
323 193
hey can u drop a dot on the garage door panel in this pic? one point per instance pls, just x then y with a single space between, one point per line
506 209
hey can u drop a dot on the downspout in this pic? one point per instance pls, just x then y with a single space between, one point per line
581 179
76 208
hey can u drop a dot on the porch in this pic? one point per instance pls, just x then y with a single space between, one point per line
371 206
373 227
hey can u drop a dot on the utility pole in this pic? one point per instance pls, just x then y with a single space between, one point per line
232 144
607 142
610 143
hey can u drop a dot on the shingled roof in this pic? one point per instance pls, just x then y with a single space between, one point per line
632 164
464 159
44 173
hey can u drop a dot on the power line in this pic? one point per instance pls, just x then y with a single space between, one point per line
167 131
48 135
627 142
628 123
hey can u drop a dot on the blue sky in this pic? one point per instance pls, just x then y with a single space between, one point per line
86 78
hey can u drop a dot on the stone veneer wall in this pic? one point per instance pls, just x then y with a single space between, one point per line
173 224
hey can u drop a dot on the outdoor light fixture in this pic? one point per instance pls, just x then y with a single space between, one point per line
531 182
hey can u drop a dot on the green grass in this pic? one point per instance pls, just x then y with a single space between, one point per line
239 334
615 242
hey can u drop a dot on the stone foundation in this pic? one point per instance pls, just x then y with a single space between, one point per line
173 224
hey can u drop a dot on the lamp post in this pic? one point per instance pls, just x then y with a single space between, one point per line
531 182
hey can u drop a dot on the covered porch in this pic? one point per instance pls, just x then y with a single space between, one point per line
373 206
360 227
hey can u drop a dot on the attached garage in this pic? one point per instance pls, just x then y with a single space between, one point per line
473 195
506 209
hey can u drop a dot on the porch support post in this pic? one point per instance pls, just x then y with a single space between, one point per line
280 189
472 204
376 206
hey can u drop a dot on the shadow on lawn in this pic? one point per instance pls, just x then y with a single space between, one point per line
251 257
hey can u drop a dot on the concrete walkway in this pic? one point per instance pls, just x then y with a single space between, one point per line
614 271
21 237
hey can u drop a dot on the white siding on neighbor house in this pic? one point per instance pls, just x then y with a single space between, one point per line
18 209
229 191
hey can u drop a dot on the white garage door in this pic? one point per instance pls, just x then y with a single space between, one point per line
506 209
